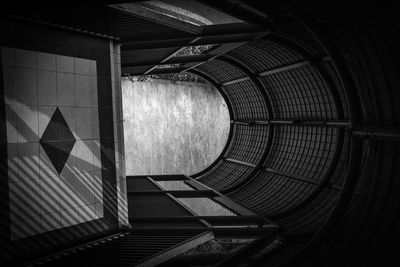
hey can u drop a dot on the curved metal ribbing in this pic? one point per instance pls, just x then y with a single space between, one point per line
248 143
329 179
294 172
230 110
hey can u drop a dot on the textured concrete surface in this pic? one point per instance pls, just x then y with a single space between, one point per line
172 127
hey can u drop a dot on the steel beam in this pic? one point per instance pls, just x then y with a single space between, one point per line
284 68
240 162
149 14
389 133
233 231
226 49
335 123
183 41
267 100
236 81
239 11
167 177
171 60
293 176
231 30
175 193
229 220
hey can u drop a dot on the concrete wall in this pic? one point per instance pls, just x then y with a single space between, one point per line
172 127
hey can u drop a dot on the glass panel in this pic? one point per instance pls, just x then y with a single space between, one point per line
206 207
174 185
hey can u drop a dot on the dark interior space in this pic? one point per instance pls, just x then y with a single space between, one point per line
307 176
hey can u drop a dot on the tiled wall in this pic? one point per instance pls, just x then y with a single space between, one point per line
35 85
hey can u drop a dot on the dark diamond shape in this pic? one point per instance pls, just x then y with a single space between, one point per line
57 140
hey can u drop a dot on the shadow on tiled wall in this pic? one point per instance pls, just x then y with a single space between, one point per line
51 187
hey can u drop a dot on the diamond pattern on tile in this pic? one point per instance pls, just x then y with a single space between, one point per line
57 140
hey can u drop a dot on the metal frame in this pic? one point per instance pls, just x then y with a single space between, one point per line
244 223
267 99
350 180
231 116
339 112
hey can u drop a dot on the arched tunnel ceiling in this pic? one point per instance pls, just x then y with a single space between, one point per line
293 155
313 101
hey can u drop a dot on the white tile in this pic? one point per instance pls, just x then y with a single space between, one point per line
16 200
94 91
99 210
97 187
25 58
30 195
96 155
12 123
95 123
70 167
8 56
69 114
28 161
12 160
9 84
44 115
47 88
15 230
28 121
65 89
83 123
82 66
51 221
31 226
69 217
26 86
93 67
65 64
84 155
69 197
83 186
50 194
88 212
77 192
83 97
46 167
46 61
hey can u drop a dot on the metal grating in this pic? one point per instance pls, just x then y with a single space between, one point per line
125 250
262 55
311 217
300 93
328 66
248 143
270 193
302 150
225 174
247 101
220 71
295 32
